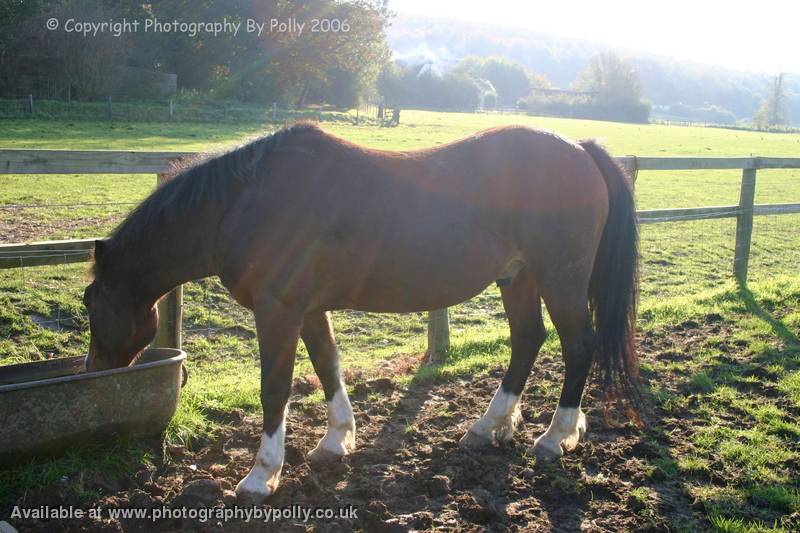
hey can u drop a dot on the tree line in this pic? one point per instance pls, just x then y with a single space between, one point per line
606 89
287 67
348 63
336 64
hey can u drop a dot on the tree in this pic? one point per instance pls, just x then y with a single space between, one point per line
416 86
615 91
394 83
772 111
539 81
611 77
340 60
28 54
510 79
285 66
14 11
342 88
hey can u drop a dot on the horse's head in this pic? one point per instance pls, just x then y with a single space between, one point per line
121 326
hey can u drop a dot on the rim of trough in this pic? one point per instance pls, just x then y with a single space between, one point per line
179 356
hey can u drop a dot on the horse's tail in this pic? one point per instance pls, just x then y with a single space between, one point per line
614 285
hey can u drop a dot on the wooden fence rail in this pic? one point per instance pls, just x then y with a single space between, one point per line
169 333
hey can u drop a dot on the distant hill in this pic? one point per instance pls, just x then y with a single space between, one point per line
666 82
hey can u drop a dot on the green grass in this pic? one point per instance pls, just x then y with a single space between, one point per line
685 277
185 109
742 439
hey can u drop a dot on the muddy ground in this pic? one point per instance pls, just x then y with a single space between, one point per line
17 227
409 472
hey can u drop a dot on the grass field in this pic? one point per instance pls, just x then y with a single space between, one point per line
737 381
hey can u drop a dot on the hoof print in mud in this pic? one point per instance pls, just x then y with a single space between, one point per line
200 492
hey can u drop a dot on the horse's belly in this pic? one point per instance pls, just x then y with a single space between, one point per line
425 282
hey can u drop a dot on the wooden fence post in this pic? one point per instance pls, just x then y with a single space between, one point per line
744 225
438 335
30 103
631 166
170 313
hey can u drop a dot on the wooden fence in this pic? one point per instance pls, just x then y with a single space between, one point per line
169 329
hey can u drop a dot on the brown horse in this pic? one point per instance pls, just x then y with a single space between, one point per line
300 223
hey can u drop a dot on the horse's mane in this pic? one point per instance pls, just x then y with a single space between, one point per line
205 180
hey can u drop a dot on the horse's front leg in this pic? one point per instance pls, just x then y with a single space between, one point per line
278 333
340 438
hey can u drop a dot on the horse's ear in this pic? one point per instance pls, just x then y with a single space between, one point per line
99 249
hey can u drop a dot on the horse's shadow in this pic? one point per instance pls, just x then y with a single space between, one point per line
412 460
672 425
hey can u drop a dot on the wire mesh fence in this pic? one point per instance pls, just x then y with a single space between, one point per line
41 314
180 110
776 246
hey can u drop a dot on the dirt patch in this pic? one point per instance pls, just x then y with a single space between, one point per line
408 472
373 379
15 227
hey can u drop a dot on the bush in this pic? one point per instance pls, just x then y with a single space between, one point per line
710 114
402 86
342 89
586 107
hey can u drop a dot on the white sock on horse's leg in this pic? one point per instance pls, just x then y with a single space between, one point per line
340 438
500 420
263 479
565 431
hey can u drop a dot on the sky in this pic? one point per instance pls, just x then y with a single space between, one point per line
760 36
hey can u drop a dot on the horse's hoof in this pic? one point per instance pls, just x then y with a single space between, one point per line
249 493
321 456
544 453
247 498
472 440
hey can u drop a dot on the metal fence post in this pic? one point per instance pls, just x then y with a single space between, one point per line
744 225
170 313
438 335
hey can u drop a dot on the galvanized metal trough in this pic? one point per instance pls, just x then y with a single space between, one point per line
48 405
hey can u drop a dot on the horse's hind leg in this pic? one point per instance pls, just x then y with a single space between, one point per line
570 315
524 311
340 438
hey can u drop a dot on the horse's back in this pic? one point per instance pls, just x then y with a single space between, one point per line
509 168
369 229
